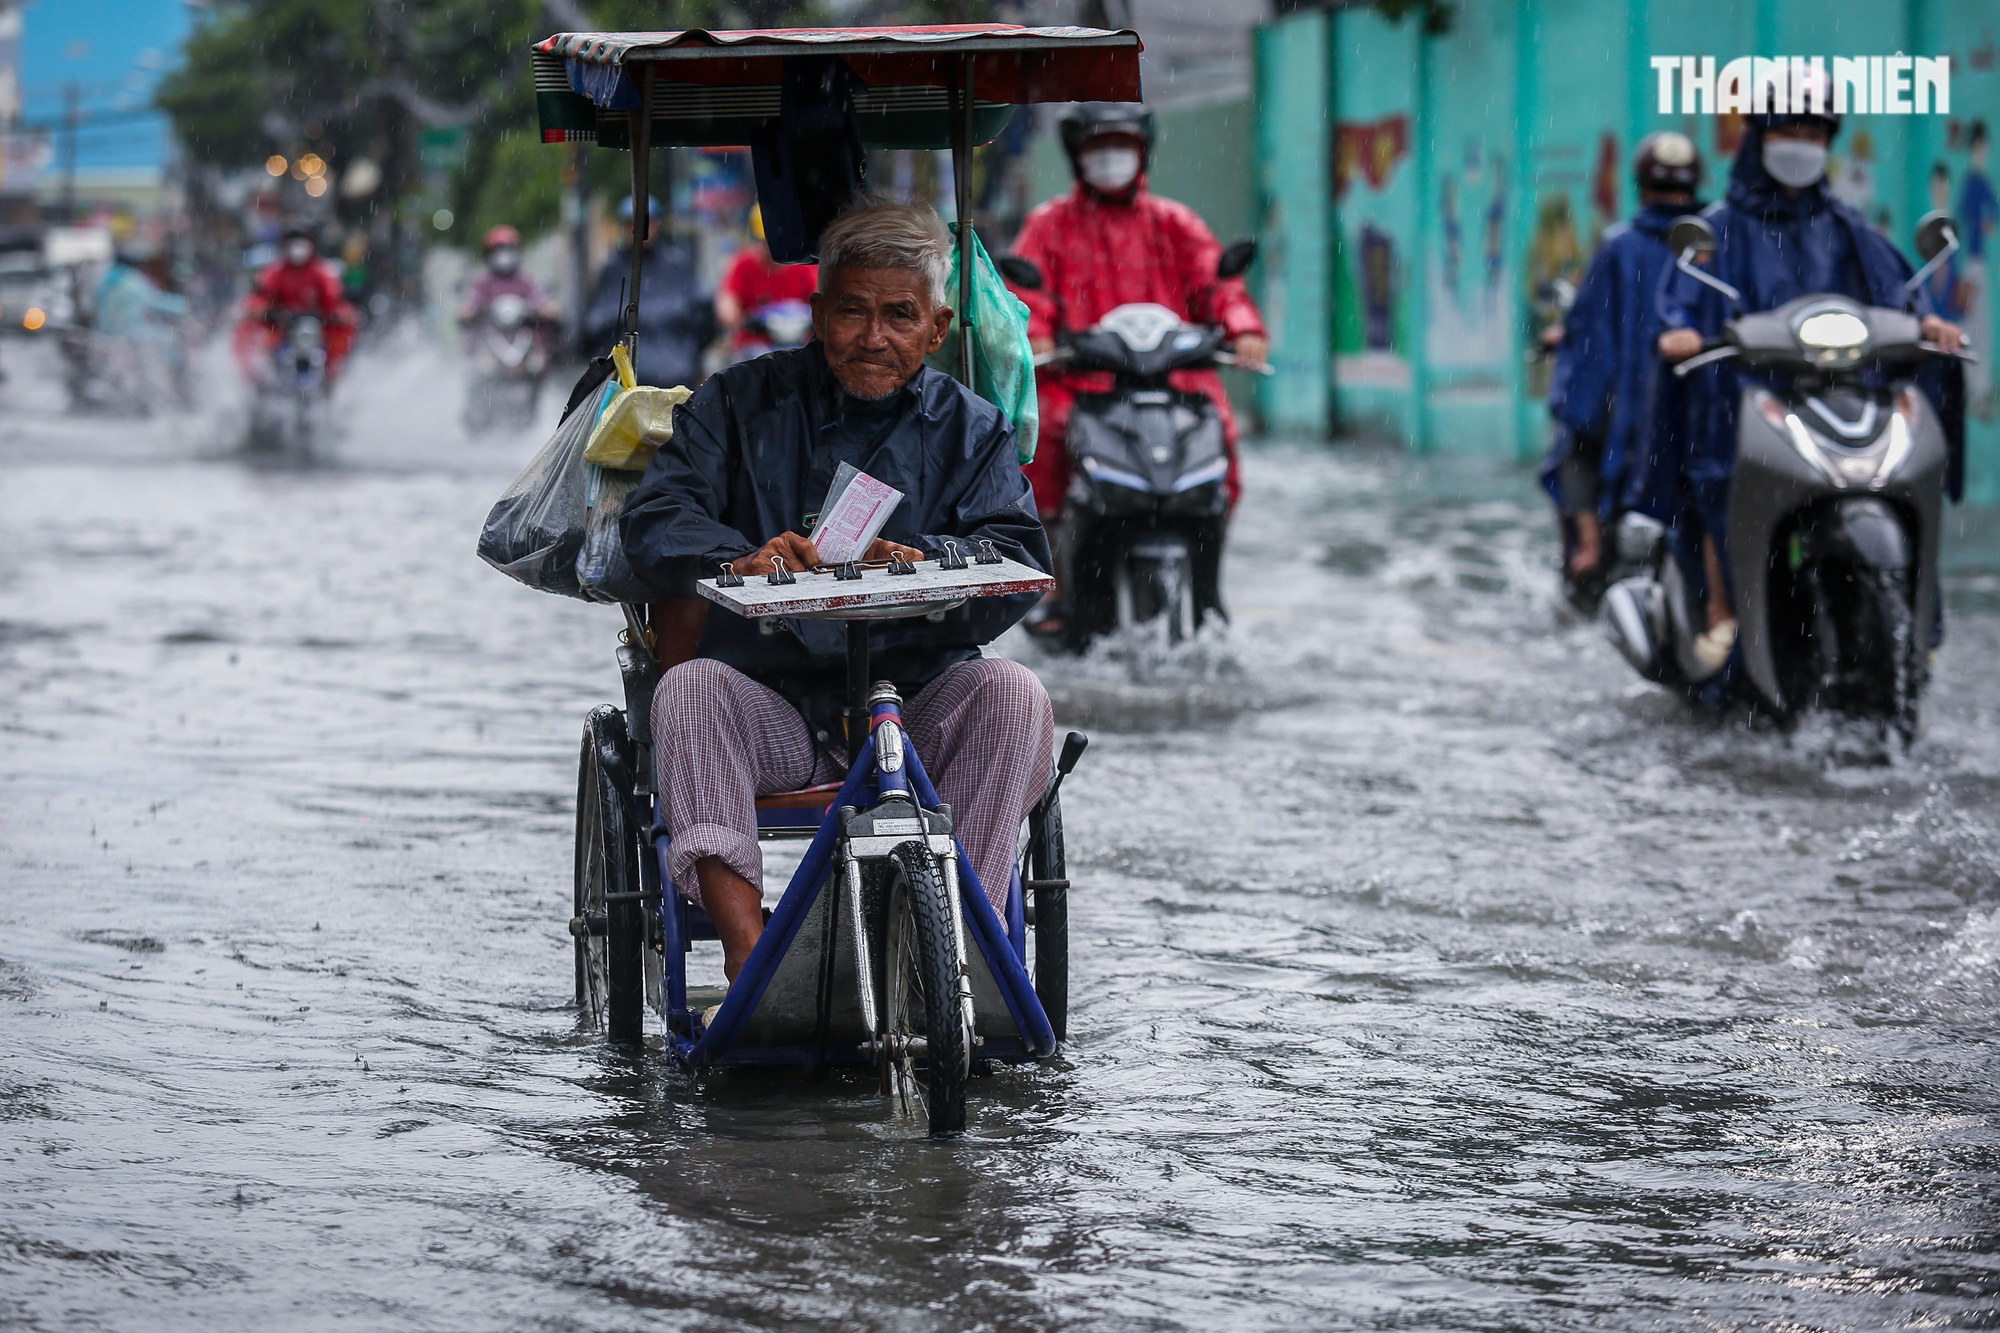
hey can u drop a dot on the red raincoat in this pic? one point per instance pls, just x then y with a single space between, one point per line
1097 254
293 289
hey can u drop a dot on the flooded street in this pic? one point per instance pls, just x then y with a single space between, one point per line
1428 970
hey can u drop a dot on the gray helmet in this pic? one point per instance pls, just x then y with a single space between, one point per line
1088 120
1667 160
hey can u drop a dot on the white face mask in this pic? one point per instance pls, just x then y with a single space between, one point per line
1109 169
299 252
1794 163
505 260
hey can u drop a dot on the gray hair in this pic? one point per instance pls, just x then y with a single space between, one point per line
880 233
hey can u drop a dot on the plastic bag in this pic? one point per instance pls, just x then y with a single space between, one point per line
639 420
535 530
1003 361
601 568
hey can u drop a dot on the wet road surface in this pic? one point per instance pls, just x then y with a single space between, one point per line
1429 970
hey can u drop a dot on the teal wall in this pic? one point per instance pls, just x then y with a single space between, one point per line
1414 190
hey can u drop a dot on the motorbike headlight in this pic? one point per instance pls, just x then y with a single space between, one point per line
1902 438
1103 472
1832 331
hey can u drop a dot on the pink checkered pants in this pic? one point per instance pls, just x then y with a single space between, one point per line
983 728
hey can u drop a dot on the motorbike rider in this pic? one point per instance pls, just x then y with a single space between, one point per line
1615 424
1781 234
503 277
755 281
1110 242
296 283
676 320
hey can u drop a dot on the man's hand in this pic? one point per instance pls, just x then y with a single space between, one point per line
884 549
1679 344
1947 335
797 552
1042 346
1253 352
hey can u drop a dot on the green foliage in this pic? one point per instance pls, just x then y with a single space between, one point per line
518 181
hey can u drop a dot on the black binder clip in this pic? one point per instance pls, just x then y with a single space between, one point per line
951 559
779 574
987 554
728 578
898 565
848 572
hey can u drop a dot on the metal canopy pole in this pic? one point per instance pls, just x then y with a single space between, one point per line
642 212
962 103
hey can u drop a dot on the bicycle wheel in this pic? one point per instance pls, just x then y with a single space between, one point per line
610 922
1048 867
927 996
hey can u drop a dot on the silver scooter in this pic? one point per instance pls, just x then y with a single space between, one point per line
1834 507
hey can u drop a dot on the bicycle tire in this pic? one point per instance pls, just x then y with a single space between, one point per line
1048 864
610 966
925 994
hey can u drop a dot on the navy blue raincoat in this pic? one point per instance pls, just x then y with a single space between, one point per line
752 455
1774 247
1607 384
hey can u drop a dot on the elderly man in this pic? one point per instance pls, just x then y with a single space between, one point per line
741 712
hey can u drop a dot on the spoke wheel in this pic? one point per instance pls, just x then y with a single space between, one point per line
927 1000
609 924
1048 862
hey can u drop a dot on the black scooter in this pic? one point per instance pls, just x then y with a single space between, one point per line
1141 534
1834 508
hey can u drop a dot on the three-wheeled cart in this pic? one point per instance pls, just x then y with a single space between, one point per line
884 950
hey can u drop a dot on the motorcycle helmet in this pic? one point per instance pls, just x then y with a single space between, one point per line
1667 161
1088 121
653 209
503 250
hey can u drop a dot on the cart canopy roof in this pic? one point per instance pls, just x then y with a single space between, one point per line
719 88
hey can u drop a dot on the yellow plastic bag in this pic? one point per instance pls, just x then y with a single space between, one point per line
639 420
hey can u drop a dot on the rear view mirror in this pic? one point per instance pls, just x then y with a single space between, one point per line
1236 259
1022 273
1691 233
1937 234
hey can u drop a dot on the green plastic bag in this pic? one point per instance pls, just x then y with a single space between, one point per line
1003 362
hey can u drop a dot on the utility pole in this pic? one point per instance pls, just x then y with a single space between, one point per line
72 116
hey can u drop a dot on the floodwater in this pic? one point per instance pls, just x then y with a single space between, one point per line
1429 970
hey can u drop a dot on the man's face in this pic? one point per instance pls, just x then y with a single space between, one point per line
877 325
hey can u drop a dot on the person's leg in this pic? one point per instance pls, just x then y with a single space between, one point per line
1048 470
986 734
720 739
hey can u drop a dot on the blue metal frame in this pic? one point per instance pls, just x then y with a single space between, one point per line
1002 944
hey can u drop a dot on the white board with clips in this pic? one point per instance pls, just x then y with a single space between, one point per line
877 594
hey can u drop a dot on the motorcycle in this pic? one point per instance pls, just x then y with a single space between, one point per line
510 358
288 412
775 327
1141 534
1834 508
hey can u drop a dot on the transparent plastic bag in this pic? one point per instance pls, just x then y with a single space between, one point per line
1003 361
535 530
601 568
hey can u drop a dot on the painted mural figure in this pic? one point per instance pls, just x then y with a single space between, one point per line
1783 232
1614 422
1978 213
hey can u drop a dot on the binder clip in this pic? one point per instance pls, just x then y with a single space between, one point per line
898 565
848 572
987 554
951 559
779 574
728 578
